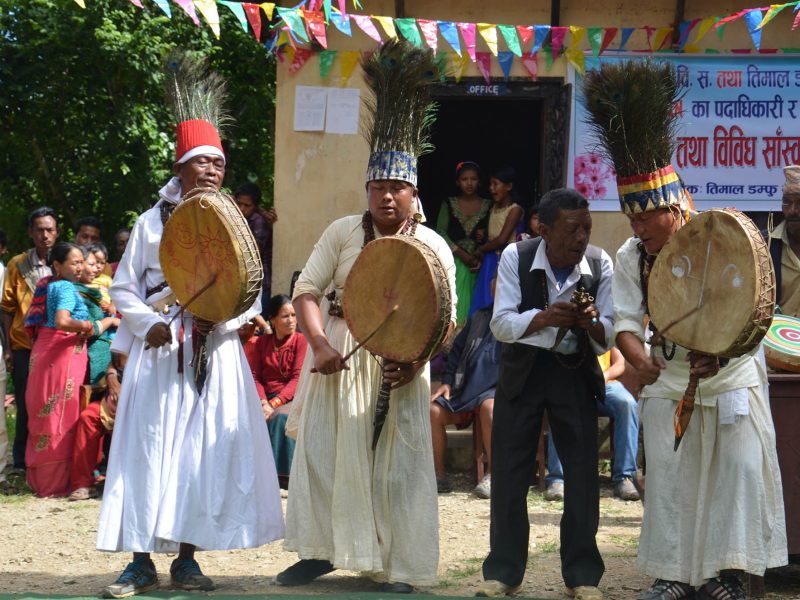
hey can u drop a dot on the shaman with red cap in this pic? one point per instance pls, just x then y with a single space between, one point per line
190 465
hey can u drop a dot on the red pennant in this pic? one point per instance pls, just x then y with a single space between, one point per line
301 56
796 23
557 35
532 65
316 23
609 33
729 18
484 60
525 33
649 31
253 12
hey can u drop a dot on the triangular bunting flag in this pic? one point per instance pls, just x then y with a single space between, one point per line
576 58
578 34
729 19
796 22
326 58
626 35
291 16
367 26
254 17
301 56
720 30
269 9
684 29
164 5
753 19
238 11
468 31
557 39
705 26
539 36
343 7
773 11
506 60
408 29
511 38
649 31
430 32
316 23
532 65
342 22
489 34
188 8
347 64
208 8
449 32
484 60
595 35
661 38
461 67
81 3
692 49
137 3
326 8
548 57
441 65
525 34
609 33
388 25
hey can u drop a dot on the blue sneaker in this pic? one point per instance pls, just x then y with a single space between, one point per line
137 578
186 575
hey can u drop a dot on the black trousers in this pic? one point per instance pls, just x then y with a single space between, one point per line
19 361
517 423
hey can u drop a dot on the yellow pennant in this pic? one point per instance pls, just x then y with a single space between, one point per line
578 33
80 3
576 58
692 49
388 25
347 64
461 65
489 34
269 8
773 11
661 35
704 27
208 8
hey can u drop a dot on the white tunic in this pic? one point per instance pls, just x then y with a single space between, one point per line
183 467
716 503
363 511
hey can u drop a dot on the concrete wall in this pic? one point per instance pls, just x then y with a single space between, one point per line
320 177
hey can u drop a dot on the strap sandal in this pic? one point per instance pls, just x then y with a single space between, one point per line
724 587
668 590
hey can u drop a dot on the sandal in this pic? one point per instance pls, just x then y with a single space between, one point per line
82 493
724 587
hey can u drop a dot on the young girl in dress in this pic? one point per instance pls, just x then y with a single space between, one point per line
462 222
504 218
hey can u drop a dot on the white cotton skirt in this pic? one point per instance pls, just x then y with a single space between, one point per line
374 512
189 468
716 503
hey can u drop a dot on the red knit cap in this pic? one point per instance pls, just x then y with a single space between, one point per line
197 134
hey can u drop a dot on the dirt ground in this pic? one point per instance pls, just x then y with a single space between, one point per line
48 547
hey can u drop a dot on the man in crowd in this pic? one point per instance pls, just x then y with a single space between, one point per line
22 274
785 246
619 405
88 230
552 338
248 199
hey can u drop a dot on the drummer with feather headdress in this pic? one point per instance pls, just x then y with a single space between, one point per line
714 506
351 506
190 465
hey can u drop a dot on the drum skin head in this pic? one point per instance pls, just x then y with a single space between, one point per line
718 262
393 271
782 344
204 237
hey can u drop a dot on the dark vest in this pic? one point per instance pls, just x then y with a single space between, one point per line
518 359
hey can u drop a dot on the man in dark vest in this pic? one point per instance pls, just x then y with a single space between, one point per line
785 245
549 362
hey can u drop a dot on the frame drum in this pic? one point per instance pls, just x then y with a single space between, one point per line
712 287
782 344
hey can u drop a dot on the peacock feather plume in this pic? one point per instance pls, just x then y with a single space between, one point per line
399 109
631 107
194 91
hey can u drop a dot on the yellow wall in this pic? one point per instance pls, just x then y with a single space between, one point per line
320 177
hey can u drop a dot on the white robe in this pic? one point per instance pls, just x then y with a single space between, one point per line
367 511
183 467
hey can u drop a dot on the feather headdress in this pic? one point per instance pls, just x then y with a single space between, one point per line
399 110
632 111
197 97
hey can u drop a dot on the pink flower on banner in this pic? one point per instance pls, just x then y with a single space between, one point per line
591 175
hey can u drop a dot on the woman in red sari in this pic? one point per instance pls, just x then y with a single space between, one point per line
278 360
57 369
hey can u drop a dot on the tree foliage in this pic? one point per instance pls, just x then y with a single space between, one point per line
85 127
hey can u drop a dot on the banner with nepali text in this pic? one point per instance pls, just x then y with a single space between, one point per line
740 126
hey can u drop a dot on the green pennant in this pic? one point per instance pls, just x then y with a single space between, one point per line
595 39
441 65
408 29
548 57
512 39
712 51
721 31
326 58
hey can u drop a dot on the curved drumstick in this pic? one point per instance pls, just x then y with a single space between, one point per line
194 297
